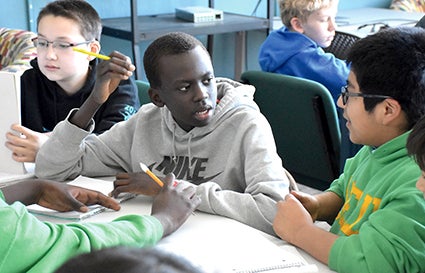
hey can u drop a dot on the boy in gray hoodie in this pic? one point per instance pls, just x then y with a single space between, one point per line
208 132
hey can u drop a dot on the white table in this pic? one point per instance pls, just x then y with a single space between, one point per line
352 19
211 240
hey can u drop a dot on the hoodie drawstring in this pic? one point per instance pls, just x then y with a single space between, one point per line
174 145
189 151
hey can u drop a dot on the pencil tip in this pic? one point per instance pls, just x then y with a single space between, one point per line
143 166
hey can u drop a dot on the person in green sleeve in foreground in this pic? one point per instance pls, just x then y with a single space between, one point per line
30 245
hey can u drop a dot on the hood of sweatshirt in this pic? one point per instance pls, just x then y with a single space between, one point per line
47 100
280 46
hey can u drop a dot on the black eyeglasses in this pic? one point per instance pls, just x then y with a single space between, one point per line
345 95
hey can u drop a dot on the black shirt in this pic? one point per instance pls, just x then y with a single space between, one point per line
44 103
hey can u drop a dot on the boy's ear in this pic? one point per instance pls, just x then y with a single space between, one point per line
94 47
296 25
155 97
391 111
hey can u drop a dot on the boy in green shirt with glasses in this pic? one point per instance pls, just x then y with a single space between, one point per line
376 212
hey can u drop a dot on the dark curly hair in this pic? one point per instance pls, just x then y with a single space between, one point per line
392 63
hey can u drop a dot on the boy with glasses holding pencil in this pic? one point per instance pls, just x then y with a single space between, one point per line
62 79
376 212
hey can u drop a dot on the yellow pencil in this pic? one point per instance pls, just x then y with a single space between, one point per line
100 56
155 178
151 174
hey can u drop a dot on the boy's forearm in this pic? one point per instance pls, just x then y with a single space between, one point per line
315 241
25 192
329 206
83 116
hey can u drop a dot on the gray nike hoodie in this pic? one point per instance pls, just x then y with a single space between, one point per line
232 161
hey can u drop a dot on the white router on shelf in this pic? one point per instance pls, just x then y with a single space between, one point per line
199 14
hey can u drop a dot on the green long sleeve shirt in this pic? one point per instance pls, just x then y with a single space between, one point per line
30 245
382 222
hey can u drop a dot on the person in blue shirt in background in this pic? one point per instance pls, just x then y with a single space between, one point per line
296 49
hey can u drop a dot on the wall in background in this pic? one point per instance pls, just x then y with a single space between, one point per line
13 14
23 14
349 4
223 57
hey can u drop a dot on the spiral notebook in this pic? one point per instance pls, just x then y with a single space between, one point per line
103 186
239 249
288 263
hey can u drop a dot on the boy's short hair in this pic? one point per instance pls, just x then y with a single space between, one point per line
416 143
128 260
392 63
79 11
172 43
300 9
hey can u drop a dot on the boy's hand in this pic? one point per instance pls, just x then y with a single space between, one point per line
109 74
291 217
309 202
174 204
25 146
64 197
139 183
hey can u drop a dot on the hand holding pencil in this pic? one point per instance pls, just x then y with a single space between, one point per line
109 75
137 182
146 182
155 178
151 174
140 184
